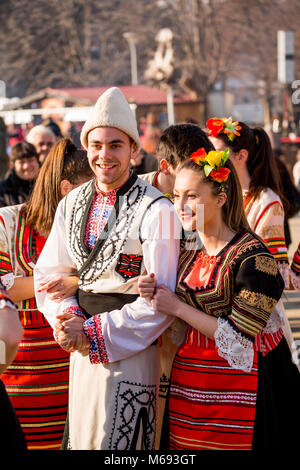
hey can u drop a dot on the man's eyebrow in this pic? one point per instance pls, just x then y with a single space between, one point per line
114 141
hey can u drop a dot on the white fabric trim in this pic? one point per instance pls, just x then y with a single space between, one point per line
275 321
234 347
8 280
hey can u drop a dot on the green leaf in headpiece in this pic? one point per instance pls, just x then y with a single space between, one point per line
207 169
224 158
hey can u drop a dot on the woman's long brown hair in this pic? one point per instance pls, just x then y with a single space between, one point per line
64 161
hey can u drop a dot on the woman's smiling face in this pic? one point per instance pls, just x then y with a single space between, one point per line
194 201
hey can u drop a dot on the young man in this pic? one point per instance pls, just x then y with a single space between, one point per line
176 144
111 230
17 187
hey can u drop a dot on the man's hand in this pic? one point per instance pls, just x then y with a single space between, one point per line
70 334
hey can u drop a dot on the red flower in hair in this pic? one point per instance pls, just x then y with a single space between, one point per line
199 156
220 175
215 126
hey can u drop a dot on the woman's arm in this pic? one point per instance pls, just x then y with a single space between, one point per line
167 303
22 289
57 289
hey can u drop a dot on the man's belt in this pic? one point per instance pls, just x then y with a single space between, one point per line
94 303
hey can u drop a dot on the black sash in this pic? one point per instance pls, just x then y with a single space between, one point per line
94 303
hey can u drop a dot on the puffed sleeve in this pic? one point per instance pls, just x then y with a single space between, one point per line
270 227
258 287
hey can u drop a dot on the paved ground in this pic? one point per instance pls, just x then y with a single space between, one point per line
291 299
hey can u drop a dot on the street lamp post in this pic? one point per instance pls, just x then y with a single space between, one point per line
132 40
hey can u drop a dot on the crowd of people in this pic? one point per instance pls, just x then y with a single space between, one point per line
141 296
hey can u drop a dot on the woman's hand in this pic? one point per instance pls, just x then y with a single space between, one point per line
166 301
60 288
146 286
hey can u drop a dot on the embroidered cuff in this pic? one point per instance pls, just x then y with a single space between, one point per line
75 311
234 347
93 329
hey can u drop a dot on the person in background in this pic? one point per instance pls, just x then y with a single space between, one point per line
291 196
43 139
54 127
175 145
254 160
17 187
143 162
37 379
233 385
4 159
296 171
11 332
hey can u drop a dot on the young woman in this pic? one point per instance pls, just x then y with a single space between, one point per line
253 158
37 380
233 383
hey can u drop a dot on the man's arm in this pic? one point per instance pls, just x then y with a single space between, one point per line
122 333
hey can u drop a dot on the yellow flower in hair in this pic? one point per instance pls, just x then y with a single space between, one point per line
214 158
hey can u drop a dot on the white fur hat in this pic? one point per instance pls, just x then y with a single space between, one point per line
111 110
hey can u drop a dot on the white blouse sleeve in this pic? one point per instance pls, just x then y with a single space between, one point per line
232 346
54 261
121 333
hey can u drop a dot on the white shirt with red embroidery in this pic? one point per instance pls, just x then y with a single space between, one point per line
117 334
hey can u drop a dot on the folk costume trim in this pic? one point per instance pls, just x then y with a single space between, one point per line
266 264
134 407
93 329
133 198
212 405
265 215
129 266
99 213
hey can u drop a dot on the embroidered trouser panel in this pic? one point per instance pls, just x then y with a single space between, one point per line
113 406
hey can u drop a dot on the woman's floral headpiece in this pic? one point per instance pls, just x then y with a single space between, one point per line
213 164
225 126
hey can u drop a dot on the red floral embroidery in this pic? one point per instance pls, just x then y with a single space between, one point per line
129 265
93 329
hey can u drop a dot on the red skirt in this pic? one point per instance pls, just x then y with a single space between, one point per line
37 383
212 405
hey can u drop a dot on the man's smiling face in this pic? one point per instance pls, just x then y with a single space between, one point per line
109 154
